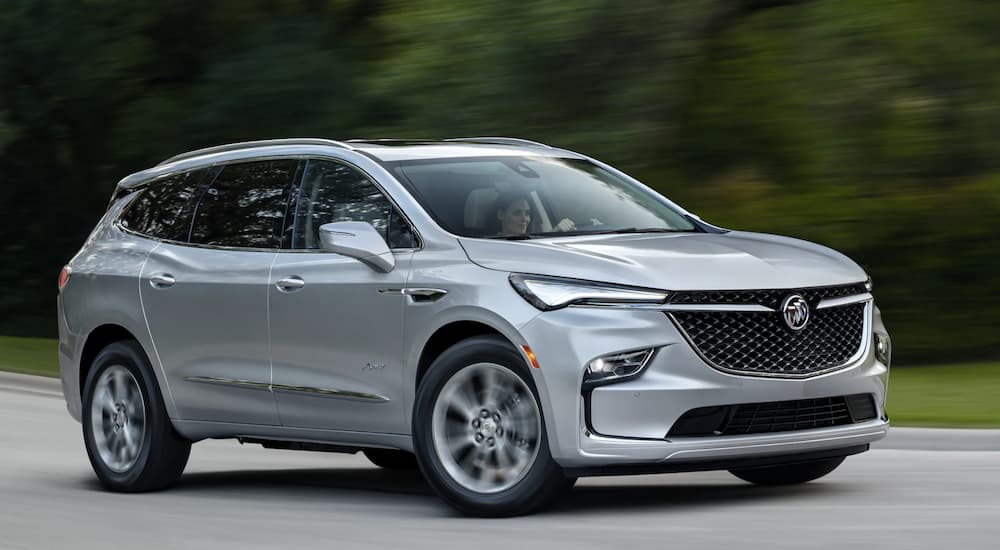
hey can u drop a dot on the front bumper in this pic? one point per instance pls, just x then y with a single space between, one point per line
627 422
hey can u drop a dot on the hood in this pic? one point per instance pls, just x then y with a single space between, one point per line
679 261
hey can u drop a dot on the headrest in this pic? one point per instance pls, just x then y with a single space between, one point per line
479 208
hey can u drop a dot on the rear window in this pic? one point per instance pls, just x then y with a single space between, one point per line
163 209
245 205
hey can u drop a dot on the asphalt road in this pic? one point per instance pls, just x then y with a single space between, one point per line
248 497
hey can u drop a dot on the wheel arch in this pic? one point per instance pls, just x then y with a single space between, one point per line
448 335
456 327
98 339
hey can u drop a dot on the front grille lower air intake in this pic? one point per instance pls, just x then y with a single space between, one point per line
759 343
775 416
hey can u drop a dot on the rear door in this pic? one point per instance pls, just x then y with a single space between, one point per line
337 332
206 299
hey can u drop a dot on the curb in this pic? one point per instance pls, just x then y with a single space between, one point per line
31 384
940 439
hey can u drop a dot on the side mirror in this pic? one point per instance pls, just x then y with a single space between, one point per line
358 240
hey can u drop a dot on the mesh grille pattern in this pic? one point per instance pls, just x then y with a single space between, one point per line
775 416
769 298
788 416
760 342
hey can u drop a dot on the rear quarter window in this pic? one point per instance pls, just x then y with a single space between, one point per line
163 209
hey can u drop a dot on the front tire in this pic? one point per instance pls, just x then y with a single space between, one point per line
479 434
790 474
130 441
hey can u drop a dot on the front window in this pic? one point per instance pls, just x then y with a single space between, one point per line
525 197
335 192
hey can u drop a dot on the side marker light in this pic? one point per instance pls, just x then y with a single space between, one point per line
531 356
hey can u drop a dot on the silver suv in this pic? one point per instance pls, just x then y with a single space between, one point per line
504 315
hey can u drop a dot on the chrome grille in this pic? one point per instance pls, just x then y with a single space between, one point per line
768 298
760 344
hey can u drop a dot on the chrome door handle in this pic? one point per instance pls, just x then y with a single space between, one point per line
424 294
162 280
290 284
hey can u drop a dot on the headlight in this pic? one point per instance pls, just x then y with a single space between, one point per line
547 293
615 368
869 285
883 348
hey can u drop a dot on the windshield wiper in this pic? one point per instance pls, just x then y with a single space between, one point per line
522 237
623 230
652 230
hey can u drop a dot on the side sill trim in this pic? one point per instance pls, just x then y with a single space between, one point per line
326 392
250 384
284 388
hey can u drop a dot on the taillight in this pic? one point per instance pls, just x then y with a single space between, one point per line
64 276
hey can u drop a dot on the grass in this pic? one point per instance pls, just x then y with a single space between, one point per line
953 396
29 355
947 396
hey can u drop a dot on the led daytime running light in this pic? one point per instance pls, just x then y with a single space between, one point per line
552 293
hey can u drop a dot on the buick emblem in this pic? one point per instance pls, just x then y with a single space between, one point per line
795 311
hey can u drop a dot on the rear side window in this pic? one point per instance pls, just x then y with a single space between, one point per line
245 205
163 209
335 192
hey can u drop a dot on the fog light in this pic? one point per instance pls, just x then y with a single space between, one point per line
883 348
616 368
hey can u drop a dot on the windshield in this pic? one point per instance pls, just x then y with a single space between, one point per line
525 197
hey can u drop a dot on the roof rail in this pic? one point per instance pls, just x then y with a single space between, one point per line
386 140
502 141
258 143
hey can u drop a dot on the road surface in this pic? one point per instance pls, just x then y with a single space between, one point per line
234 496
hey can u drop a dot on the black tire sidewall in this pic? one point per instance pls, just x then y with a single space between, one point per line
545 478
130 356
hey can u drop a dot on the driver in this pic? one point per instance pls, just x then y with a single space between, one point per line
514 213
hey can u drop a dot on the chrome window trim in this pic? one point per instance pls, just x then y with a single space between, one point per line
866 338
142 178
298 156
238 248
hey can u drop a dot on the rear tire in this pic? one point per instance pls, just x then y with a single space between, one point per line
789 474
130 441
479 434
392 459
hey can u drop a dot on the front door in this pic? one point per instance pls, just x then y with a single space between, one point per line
336 323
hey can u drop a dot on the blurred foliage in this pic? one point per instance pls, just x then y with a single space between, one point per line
872 127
